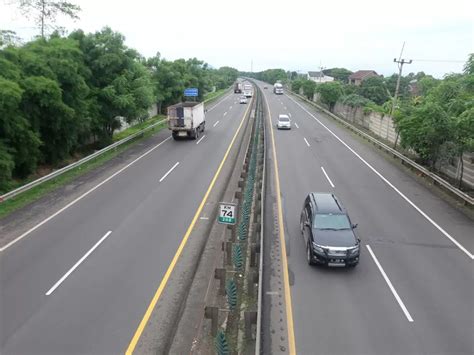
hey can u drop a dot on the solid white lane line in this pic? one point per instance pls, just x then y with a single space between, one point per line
81 197
200 139
225 113
389 283
169 171
56 285
215 124
296 124
306 142
327 177
401 194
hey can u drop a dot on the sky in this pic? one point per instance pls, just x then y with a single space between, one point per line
293 35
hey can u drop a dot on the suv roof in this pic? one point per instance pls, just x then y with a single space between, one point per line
327 203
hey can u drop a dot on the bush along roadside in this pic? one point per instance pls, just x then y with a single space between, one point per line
35 193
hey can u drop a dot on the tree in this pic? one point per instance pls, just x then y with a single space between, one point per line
45 12
425 130
330 93
341 74
18 143
296 85
374 89
464 137
8 38
469 66
309 88
120 85
426 84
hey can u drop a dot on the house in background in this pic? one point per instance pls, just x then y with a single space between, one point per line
319 77
359 76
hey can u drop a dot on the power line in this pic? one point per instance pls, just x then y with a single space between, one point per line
439 60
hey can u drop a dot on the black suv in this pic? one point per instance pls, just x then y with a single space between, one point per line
328 231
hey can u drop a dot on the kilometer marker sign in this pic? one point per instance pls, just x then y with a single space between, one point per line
226 213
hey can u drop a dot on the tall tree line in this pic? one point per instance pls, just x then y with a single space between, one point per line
60 93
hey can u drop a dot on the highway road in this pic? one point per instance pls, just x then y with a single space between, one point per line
413 290
80 283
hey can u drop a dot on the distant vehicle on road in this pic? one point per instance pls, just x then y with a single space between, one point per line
243 99
248 90
186 119
278 89
328 232
283 122
265 87
238 88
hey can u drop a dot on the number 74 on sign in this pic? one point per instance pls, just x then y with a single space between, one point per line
226 213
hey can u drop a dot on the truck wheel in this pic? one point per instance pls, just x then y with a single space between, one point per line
175 136
203 126
193 134
196 135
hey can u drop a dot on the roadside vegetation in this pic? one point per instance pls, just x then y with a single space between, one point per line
63 95
433 117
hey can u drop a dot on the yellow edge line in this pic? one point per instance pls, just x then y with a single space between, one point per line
286 279
164 281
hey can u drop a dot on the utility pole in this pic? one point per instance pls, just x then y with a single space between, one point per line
400 62
321 68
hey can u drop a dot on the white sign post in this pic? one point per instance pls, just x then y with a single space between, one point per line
227 213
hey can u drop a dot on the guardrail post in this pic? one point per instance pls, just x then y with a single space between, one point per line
220 274
212 313
250 320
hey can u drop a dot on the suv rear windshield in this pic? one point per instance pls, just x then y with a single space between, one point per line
283 119
331 221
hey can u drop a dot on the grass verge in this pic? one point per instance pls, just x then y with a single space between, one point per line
39 191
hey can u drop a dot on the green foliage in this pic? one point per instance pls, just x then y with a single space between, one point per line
62 93
340 74
237 257
330 93
270 76
20 142
309 88
426 130
296 85
6 166
426 84
221 344
469 66
231 291
120 85
355 100
374 89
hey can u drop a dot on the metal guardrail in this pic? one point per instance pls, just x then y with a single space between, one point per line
69 167
463 197
258 339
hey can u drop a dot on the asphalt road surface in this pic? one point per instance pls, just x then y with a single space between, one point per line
413 290
81 282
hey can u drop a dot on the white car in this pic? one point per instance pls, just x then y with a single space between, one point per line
243 100
284 122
